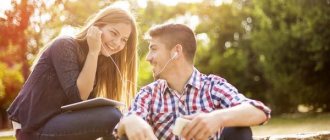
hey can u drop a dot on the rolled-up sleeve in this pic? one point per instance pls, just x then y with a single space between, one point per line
139 107
226 96
141 104
63 53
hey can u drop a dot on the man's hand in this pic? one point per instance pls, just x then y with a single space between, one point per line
202 126
135 128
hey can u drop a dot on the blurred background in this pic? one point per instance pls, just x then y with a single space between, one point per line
275 51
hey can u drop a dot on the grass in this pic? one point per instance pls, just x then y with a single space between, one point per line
294 124
7 138
284 124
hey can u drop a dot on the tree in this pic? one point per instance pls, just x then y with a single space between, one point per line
229 53
14 64
293 42
20 40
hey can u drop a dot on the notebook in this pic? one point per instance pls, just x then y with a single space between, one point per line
96 102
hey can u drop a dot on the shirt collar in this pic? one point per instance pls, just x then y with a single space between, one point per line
195 79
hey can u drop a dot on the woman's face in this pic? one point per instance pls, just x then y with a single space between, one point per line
114 37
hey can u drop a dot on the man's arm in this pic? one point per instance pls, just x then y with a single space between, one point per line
227 98
134 125
241 115
206 124
235 110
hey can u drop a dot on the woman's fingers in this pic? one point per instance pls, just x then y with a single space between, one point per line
94 39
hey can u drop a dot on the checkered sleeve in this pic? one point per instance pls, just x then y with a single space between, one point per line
226 95
139 106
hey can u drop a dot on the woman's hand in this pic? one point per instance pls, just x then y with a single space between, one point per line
86 78
94 40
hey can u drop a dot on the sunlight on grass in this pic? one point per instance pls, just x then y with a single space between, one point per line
7 138
294 124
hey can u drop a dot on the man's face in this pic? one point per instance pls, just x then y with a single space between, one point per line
159 57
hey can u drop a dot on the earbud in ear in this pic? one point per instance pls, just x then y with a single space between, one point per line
174 55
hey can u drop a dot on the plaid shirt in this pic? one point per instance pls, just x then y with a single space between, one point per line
160 105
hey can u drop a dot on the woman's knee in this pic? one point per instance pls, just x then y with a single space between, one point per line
111 115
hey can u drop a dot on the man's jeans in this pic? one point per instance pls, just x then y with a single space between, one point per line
230 133
88 124
236 133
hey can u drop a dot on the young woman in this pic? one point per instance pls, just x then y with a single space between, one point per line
100 61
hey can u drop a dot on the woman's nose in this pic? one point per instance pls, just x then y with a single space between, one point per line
149 57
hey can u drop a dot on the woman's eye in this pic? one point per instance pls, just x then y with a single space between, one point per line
113 33
124 40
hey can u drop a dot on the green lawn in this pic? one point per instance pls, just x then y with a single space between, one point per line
285 124
7 138
293 124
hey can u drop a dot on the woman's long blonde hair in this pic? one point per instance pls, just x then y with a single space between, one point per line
109 82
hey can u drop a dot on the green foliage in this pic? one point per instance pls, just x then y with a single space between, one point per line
274 51
11 80
230 54
293 38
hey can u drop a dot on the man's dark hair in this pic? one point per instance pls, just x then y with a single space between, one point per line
172 34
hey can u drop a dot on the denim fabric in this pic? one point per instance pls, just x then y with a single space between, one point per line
229 133
236 133
87 124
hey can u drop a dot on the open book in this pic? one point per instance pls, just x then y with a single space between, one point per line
96 102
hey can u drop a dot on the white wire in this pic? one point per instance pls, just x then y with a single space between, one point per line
120 75
164 67
125 109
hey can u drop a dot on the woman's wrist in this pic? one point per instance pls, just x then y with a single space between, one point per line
93 54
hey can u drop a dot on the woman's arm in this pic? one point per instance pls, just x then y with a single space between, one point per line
86 77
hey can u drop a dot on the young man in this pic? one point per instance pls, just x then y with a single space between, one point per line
209 101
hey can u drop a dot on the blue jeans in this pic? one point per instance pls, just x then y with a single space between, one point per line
87 124
229 133
236 133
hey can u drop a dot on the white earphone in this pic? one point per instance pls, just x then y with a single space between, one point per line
174 55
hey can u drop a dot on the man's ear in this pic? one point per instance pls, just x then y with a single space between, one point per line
177 50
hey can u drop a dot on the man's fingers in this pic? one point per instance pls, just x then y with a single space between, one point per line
195 129
198 130
149 134
154 137
188 127
202 134
136 136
